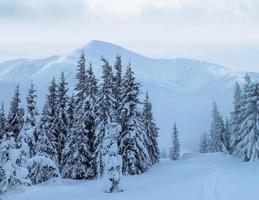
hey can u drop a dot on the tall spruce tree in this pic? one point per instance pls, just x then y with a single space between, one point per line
90 116
47 124
2 121
27 141
76 151
235 119
226 137
204 143
247 147
132 140
15 119
175 148
151 131
105 116
117 87
62 119
216 143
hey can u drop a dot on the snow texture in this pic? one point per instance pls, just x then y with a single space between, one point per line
212 176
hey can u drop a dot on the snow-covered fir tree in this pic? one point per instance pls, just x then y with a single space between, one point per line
175 148
105 116
151 131
42 167
247 143
132 140
10 162
204 148
235 119
227 136
113 161
117 87
2 121
47 124
216 142
76 158
90 116
62 118
14 123
27 141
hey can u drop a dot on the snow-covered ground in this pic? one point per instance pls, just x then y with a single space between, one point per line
194 177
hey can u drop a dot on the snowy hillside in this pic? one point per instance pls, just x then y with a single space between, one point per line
196 177
178 87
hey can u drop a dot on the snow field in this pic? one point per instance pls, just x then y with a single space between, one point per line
212 176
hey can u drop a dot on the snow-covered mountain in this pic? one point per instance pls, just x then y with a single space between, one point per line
181 89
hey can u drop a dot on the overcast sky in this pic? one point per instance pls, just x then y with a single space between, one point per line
221 31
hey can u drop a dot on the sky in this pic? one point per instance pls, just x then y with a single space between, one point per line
225 32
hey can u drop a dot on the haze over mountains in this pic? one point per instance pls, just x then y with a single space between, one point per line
181 90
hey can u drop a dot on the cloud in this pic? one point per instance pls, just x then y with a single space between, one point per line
128 8
40 9
124 8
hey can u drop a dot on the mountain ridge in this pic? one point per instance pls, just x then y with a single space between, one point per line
181 90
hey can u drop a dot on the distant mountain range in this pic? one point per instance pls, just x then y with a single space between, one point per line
182 89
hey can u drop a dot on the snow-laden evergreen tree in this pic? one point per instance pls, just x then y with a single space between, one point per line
151 131
247 147
76 152
132 140
105 116
2 121
47 124
216 142
27 141
113 161
42 167
10 162
90 116
175 148
226 137
14 123
204 143
117 87
62 118
235 119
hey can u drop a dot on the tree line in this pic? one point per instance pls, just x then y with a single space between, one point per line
239 135
102 129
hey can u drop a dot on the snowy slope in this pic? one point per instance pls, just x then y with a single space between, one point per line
181 89
195 176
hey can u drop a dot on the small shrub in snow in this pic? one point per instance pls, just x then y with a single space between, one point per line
42 169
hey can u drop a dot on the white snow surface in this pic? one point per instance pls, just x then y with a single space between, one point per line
212 176
181 90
